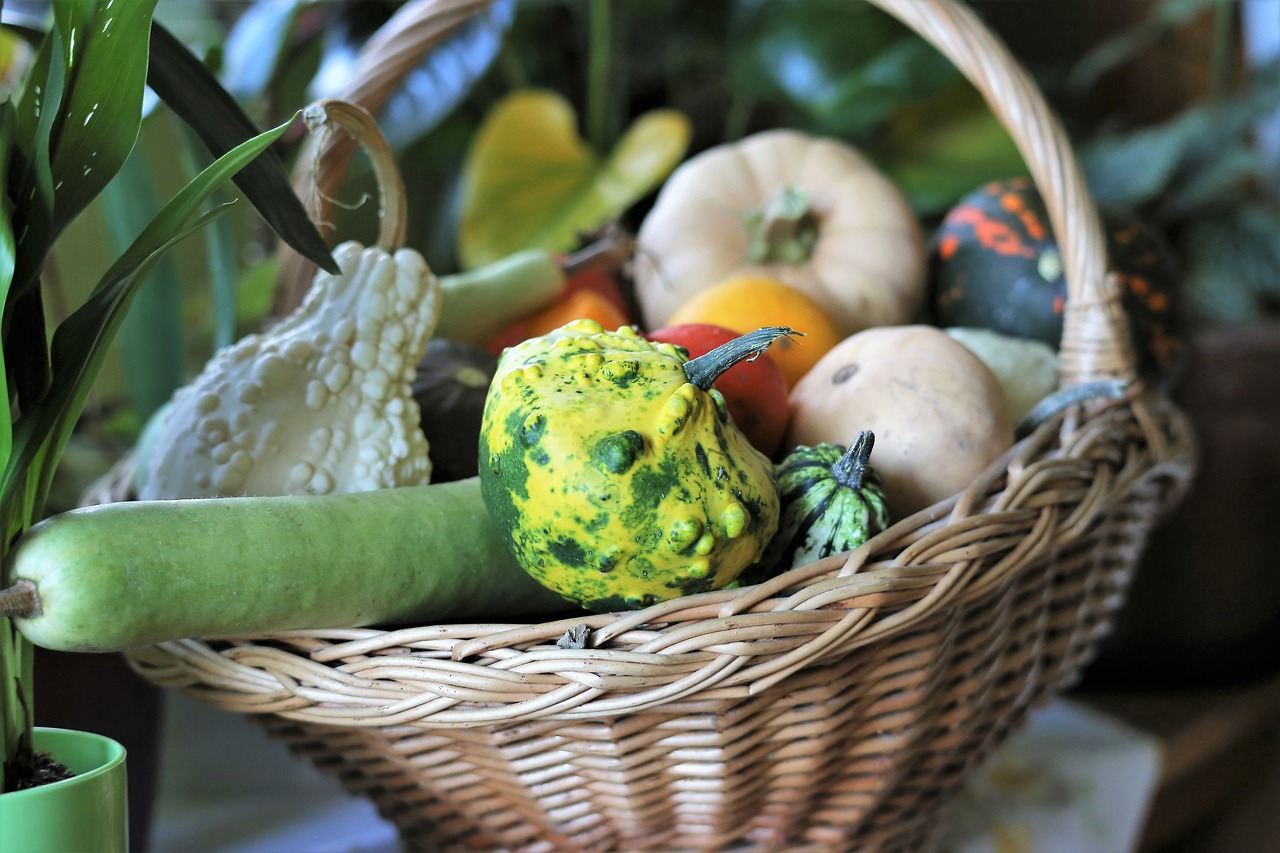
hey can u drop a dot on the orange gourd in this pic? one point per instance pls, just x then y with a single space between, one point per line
745 303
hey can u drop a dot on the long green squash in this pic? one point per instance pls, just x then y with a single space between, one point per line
127 574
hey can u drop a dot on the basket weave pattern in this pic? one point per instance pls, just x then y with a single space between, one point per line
837 707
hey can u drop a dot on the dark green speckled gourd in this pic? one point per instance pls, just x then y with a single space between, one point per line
616 475
832 502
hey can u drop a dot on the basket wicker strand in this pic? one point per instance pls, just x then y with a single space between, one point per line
837 707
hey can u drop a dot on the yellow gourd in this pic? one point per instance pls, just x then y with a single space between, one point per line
612 468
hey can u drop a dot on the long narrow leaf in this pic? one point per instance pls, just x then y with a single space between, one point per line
33 212
1128 43
26 355
196 96
221 249
184 204
71 17
79 344
106 55
8 121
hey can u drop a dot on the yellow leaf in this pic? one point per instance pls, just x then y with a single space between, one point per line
532 182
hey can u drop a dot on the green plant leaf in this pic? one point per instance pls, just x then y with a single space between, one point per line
8 122
221 248
1129 43
1182 159
36 114
530 180
1218 182
1233 263
847 66
80 342
26 353
192 91
1127 170
105 51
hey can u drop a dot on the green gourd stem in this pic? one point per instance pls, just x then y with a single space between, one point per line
784 231
1106 389
850 470
704 370
21 599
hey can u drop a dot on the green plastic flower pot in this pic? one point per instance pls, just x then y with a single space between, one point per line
86 812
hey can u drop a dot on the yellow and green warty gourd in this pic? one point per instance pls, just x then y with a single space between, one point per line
614 470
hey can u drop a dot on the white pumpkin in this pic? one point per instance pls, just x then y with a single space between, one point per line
809 211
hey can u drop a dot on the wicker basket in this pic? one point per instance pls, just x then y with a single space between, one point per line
837 707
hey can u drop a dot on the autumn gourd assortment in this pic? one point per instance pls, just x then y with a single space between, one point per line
619 458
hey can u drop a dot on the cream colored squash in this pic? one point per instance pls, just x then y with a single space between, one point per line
938 413
1026 368
809 211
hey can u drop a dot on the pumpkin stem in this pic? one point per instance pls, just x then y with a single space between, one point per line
704 370
850 470
21 599
784 231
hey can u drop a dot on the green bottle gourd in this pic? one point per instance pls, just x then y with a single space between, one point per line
832 502
614 470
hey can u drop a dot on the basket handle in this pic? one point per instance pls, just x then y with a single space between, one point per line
1095 342
381 67
1095 339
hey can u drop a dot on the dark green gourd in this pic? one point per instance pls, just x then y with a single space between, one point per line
832 502
450 386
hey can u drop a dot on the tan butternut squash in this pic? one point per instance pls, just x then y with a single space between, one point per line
938 413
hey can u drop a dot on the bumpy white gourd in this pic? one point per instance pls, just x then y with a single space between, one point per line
319 403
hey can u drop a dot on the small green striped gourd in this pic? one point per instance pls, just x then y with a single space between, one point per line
832 502
614 471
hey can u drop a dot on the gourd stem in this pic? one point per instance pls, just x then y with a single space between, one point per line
1109 389
609 250
21 599
850 470
356 120
704 370
784 231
